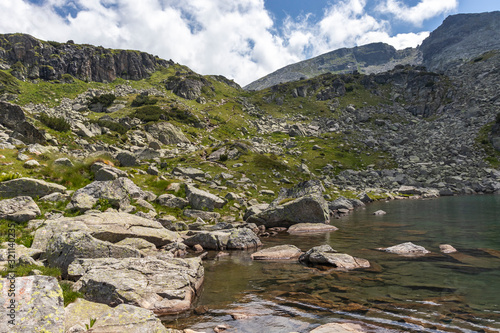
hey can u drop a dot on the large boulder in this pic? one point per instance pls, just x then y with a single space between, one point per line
188 172
38 305
117 192
12 117
164 286
407 249
306 209
325 255
28 186
109 226
19 209
167 133
280 252
64 248
229 239
123 318
203 200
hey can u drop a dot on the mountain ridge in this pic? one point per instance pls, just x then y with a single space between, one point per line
459 38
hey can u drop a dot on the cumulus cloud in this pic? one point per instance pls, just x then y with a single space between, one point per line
417 14
235 38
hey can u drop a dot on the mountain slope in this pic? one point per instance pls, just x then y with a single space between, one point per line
458 39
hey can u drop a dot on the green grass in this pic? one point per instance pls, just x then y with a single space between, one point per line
483 141
23 236
68 294
25 270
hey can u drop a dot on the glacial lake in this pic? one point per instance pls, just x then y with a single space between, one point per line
436 293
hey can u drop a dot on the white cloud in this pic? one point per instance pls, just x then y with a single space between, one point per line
417 14
235 38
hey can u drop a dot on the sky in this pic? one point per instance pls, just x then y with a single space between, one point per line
240 39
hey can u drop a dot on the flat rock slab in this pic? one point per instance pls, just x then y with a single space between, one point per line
39 305
123 318
302 228
407 249
230 239
325 255
339 328
280 252
110 226
28 186
165 287
19 209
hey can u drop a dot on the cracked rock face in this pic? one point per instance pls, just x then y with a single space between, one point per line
165 287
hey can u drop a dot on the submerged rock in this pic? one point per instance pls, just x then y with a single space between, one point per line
310 228
325 255
339 328
280 252
406 249
447 248
166 287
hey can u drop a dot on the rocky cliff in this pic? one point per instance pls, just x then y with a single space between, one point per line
30 58
459 39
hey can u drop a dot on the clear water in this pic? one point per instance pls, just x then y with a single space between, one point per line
436 293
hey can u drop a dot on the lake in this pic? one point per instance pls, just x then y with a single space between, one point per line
457 292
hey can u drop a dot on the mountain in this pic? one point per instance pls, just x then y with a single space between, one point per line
459 38
31 58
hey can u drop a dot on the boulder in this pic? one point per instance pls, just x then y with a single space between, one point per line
447 248
167 133
172 201
138 243
12 117
110 226
64 161
280 252
63 248
311 227
406 249
188 172
104 172
306 209
19 209
230 239
339 328
117 193
39 305
122 318
195 213
340 203
127 159
203 200
255 209
28 186
325 255
379 212
166 287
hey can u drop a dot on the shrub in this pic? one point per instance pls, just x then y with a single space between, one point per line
112 125
69 295
141 100
56 123
148 113
105 100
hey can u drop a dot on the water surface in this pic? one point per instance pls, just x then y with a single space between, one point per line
435 293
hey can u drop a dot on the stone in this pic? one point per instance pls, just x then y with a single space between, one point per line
206 216
55 197
447 248
127 159
303 228
406 249
188 172
166 286
339 328
64 161
19 209
31 164
232 239
172 201
340 203
379 212
122 318
39 305
28 186
117 193
109 226
63 248
325 255
203 200
280 252
255 209
12 116
167 133
306 209
20 250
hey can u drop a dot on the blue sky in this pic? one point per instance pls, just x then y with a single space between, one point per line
241 39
